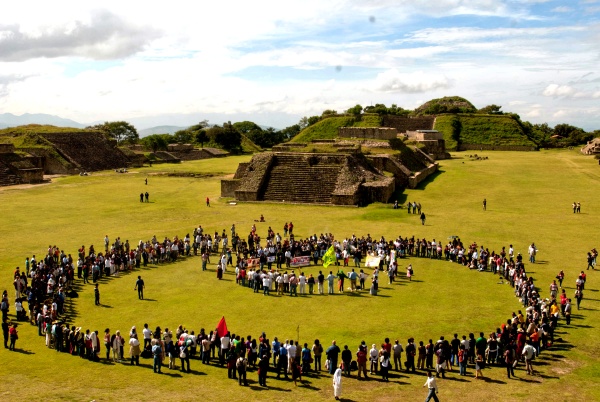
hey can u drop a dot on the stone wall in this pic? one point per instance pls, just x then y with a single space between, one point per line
480 147
422 175
379 191
404 124
31 175
90 151
180 147
7 148
49 162
424 135
229 186
386 164
380 133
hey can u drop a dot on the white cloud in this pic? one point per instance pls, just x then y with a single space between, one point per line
559 90
562 9
394 81
105 36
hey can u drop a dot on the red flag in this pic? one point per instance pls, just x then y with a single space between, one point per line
222 327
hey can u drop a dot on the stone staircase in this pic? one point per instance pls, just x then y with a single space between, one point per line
296 178
89 151
7 178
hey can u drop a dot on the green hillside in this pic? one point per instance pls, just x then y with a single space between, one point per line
324 129
328 127
481 129
248 146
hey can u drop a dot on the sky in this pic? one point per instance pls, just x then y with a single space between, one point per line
272 62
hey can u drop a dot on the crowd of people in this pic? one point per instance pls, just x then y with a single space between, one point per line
46 284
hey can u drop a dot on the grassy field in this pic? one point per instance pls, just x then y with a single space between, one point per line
529 200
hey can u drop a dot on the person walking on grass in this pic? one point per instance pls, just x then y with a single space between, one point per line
139 286
431 384
422 218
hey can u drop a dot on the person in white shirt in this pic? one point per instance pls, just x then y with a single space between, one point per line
337 383
302 282
432 386
147 336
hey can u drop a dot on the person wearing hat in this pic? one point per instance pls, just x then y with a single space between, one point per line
134 349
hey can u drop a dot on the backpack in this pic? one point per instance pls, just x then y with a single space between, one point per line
4 305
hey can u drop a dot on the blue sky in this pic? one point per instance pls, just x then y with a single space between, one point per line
274 62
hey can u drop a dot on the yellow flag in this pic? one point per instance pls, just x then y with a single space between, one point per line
329 257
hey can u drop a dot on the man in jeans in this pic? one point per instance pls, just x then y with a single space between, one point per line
156 353
397 349
433 389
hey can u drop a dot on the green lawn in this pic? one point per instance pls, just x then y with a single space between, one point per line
529 197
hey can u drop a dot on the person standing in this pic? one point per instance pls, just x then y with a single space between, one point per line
330 279
5 331
96 295
13 334
422 218
141 197
157 356
207 202
432 386
134 349
361 361
263 368
147 196
332 353
397 349
242 366
139 286
484 204
568 311
337 383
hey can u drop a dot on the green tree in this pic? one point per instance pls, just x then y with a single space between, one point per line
201 137
156 142
291 131
226 136
121 131
456 130
490 109
355 111
183 136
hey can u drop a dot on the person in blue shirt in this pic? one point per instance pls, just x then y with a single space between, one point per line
275 349
332 354
156 353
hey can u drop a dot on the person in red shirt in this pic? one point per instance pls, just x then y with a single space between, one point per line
12 333
361 361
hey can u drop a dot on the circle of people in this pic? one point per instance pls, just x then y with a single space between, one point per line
521 338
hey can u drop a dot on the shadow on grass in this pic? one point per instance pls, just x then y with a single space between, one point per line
151 300
457 379
422 185
488 379
268 388
105 306
24 352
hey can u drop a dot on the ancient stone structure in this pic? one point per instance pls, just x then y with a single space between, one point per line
87 151
404 124
324 178
17 168
592 147
379 133
340 179
432 140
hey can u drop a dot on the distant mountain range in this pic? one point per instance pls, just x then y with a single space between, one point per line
11 120
160 130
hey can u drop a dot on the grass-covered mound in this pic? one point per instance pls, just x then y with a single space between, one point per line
501 130
324 129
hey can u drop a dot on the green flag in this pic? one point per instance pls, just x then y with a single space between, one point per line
329 257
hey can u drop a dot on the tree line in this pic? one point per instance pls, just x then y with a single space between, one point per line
229 135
